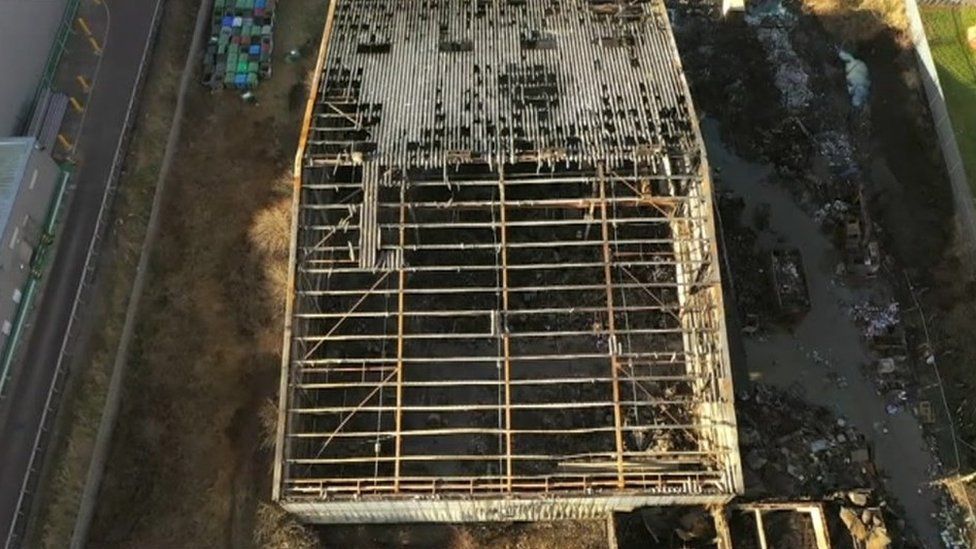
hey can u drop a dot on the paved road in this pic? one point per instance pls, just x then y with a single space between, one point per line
101 136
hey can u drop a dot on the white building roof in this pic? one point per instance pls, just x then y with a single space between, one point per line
15 153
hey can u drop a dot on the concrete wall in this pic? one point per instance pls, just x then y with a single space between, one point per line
27 30
23 232
961 193
539 508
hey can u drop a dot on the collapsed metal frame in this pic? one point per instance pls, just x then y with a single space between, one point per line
812 511
494 315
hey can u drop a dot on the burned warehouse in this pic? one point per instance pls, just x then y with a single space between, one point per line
506 300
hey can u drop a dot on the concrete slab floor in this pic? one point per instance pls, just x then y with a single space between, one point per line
827 346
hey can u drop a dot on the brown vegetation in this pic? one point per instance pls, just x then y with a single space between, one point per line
566 534
852 21
580 534
268 423
270 240
276 529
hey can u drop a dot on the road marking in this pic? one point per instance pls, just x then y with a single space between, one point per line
85 85
84 26
65 142
98 67
94 44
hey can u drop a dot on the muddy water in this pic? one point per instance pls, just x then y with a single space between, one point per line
824 355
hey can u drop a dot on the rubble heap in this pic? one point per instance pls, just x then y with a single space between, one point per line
793 448
867 527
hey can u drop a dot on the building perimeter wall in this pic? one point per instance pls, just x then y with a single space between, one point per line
961 192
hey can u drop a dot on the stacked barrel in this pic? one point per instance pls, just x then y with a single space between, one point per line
239 51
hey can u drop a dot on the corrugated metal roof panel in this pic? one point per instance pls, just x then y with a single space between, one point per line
14 155
57 106
40 112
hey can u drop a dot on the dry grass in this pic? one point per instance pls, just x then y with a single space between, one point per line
270 236
276 529
268 422
71 468
852 21
581 534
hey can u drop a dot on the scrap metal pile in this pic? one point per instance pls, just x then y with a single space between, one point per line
793 448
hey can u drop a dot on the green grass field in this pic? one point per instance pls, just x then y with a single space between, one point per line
956 63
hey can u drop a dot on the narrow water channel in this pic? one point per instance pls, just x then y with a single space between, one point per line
825 352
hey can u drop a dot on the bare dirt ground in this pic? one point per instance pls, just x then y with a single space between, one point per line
567 535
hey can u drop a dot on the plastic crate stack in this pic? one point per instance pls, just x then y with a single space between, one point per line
239 52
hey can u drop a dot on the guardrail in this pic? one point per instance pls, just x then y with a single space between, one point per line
51 403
